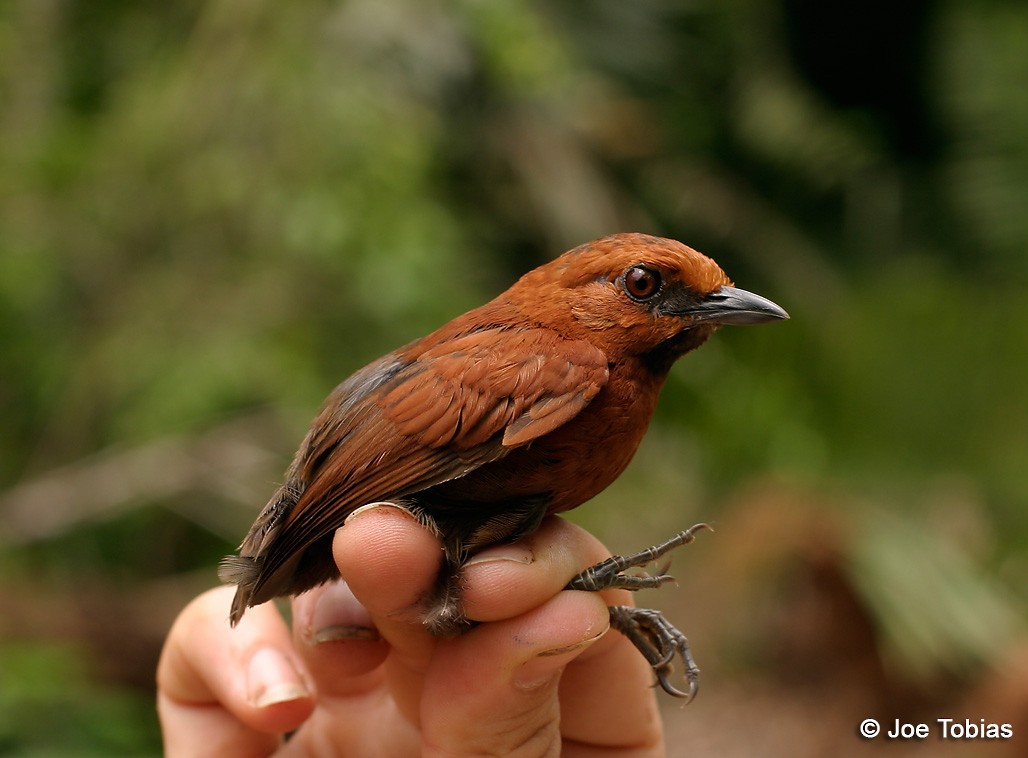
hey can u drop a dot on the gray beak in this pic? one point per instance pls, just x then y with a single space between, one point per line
731 305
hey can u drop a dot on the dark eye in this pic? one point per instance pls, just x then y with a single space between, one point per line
641 283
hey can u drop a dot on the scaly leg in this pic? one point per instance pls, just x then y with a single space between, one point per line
652 634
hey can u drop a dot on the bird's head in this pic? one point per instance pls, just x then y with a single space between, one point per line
634 294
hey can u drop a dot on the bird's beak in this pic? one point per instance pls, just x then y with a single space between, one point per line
731 305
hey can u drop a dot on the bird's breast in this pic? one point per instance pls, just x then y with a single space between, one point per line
590 454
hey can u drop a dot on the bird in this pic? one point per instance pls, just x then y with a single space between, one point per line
527 406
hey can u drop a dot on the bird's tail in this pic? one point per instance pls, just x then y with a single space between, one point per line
242 572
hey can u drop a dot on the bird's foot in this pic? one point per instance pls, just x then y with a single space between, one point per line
659 642
652 634
609 574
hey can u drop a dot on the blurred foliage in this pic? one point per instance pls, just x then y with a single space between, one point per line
213 209
41 681
936 608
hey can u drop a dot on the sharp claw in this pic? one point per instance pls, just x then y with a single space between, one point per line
673 690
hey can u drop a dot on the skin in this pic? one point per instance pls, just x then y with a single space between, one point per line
353 676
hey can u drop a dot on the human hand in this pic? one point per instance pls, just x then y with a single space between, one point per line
358 675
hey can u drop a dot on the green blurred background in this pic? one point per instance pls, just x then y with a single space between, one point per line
212 212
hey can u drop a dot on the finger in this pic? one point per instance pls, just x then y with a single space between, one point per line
507 580
388 559
607 692
608 699
229 691
339 642
390 562
493 691
344 652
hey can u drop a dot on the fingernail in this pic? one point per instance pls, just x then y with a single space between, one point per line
271 678
511 553
375 507
548 664
339 616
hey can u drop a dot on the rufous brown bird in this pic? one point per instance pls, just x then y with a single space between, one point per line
526 406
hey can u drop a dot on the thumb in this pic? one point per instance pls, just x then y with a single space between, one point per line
494 690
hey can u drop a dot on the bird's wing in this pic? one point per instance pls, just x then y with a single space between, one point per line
411 421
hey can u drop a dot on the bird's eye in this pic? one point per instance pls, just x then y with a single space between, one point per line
641 283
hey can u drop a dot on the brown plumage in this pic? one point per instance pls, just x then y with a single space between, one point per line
528 405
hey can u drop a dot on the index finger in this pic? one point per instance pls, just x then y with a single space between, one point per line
606 693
